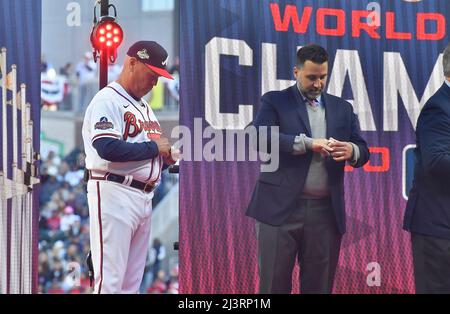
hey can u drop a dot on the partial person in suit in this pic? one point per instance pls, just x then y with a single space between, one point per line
300 208
427 214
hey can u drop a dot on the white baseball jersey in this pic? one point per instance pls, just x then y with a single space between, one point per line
114 113
120 215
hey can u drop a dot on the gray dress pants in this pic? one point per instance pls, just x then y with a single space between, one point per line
310 235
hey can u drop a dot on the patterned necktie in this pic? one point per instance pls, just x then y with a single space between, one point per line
313 103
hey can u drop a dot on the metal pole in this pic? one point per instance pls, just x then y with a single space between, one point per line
104 57
4 125
4 183
103 68
16 203
104 10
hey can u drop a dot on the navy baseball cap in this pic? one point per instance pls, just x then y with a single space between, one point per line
152 55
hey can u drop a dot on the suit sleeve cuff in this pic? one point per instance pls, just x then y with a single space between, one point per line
355 156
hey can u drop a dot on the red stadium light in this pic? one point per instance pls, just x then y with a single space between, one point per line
106 37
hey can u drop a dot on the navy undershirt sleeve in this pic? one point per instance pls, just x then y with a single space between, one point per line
115 150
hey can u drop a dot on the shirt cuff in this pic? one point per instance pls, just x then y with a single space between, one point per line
352 161
302 143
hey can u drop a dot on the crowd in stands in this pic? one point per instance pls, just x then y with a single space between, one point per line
73 86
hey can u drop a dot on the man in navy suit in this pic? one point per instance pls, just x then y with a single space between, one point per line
427 214
300 208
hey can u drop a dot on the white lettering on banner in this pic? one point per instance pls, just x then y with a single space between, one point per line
348 62
269 81
213 50
397 82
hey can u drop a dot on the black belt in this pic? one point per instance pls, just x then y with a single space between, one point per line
145 187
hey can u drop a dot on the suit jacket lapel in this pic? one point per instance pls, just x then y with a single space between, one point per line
301 109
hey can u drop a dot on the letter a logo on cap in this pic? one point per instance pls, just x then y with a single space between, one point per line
165 61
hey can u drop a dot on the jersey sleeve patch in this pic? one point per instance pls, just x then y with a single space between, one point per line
103 124
105 120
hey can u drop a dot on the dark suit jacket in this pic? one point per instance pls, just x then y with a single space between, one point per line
276 193
428 208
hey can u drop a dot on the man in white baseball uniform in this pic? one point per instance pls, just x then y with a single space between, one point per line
125 154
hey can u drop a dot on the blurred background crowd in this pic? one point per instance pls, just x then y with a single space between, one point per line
71 87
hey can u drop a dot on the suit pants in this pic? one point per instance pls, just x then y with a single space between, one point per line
431 259
310 235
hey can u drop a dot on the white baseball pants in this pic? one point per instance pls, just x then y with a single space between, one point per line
120 219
